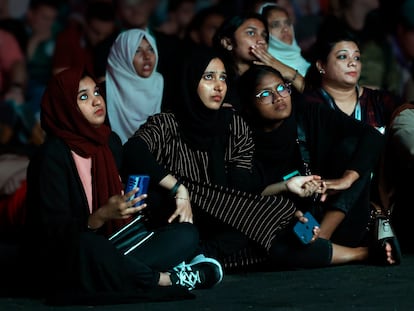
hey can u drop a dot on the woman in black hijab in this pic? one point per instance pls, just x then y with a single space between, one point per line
201 157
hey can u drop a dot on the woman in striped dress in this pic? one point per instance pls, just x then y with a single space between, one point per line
201 157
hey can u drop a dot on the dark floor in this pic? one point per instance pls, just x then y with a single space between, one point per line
350 287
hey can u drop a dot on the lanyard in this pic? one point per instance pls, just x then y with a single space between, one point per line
357 111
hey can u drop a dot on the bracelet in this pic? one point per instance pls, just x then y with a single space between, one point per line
179 198
294 77
174 189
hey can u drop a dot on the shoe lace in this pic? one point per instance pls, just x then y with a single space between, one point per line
186 276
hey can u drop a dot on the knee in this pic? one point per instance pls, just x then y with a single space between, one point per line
186 233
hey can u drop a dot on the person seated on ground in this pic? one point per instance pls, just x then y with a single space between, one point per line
137 14
242 40
19 129
203 26
201 157
293 138
402 41
200 33
369 23
75 201
179 15
88 39
13 74
13 24
41 28
333 80
306 17
20 135
282 41
398 167
134 88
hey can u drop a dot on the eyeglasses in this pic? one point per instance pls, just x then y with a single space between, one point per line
268 97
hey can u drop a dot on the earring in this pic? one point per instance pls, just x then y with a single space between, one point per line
229 48
321 71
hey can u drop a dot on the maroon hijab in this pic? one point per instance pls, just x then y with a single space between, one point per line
61 117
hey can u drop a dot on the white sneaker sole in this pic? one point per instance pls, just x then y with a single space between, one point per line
201 258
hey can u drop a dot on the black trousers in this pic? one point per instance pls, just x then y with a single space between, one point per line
233 248
102 268
288 252
169 246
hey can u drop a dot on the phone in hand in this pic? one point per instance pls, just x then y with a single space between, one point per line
304 231
140 181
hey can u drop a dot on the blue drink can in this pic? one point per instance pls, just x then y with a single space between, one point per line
140 181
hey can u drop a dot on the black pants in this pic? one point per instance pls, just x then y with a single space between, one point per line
169 246
286 251
95 272
354 203
102 268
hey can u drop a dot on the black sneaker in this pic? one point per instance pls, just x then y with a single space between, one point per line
200 273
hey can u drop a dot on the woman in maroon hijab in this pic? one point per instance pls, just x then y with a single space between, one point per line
75 201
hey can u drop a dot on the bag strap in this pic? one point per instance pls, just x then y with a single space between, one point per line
303 148
357 113
304 153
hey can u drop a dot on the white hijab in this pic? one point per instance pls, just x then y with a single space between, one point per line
131 99
288 54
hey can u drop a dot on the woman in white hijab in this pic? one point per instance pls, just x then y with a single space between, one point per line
282 42
134 88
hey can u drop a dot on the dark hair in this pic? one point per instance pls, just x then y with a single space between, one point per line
405 14
173 5
228 29
320 52
247 84
201 16
344 4
101 10
35 4
273 7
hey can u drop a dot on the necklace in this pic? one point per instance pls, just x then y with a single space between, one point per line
357 110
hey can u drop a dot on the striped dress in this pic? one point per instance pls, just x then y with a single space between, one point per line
260 218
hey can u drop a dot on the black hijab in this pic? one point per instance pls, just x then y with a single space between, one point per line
202 128
199 125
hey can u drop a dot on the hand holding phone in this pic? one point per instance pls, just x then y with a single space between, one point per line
304 231
140 181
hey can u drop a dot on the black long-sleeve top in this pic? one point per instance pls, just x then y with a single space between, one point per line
335 143
158 149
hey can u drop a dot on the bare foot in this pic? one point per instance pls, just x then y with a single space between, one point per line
388 250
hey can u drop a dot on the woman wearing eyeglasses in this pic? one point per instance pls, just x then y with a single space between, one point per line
294 138
201 156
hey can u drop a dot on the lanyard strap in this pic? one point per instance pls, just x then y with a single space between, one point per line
303 148
357 114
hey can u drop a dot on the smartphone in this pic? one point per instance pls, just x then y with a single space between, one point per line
304 231
140 181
